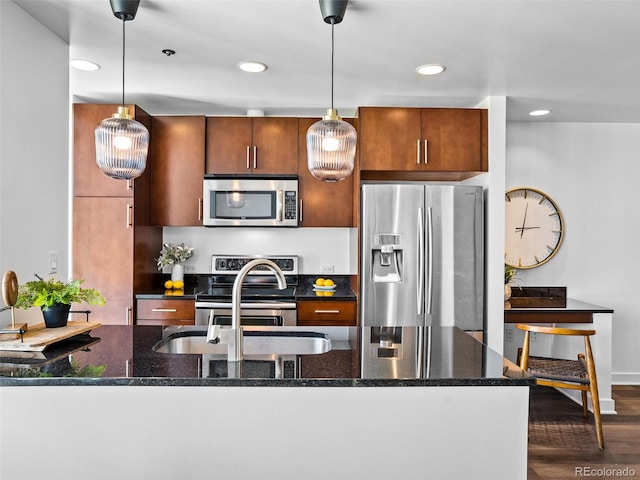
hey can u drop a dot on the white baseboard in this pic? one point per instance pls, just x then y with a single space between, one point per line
624 378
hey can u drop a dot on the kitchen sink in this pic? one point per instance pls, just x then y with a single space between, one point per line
258 342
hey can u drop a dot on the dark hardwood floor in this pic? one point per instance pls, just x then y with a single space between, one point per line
563 445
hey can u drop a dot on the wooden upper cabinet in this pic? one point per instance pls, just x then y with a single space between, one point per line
252 145
388 138
322 204
452 139
177 170
423 139
88 179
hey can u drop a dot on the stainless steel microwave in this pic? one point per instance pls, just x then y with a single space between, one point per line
250 201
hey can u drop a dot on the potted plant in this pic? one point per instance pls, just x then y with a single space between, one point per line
509 277
172 254
55 297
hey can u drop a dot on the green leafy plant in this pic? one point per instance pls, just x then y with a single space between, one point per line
172 253
47 293
509 274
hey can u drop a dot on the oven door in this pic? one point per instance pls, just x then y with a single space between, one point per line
271 314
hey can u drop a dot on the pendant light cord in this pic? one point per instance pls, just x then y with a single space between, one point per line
332 55
123 49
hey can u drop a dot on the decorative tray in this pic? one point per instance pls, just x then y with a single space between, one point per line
38 337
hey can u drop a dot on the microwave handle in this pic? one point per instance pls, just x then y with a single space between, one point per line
280 205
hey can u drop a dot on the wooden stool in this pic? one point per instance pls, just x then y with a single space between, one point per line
577 374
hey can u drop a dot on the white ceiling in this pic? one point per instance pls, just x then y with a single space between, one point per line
579 58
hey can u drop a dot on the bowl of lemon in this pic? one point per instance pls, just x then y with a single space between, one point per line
324 287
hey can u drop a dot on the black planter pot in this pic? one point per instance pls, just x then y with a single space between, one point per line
56 316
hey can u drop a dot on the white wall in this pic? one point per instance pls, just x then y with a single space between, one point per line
317 247
34 146
593 172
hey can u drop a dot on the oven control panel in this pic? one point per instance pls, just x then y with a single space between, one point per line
234 263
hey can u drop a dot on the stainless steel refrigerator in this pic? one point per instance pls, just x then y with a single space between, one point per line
422 255
422 266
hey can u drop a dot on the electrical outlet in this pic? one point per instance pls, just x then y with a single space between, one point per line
326 269
53 262
508 335
534 337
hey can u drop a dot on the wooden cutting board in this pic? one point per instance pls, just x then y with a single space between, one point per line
38 337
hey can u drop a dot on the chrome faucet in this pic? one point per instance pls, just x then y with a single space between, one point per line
233 336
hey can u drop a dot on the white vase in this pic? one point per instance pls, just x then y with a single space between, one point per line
177 272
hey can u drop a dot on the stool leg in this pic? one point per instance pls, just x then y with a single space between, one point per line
593 387
585 406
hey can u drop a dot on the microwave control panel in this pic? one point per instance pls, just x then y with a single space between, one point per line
290 205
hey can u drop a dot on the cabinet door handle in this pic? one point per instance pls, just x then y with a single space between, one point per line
129 184
127 315
255 157
129 215
418 151
300 217
426 151
248 156
171 310
327 311
200 205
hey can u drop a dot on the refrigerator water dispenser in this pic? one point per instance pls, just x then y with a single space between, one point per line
386 258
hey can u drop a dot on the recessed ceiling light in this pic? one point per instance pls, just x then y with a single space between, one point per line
252 67
85 65
430 69
539 113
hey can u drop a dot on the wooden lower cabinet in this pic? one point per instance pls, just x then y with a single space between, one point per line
113 255
103 246
327 312
165 312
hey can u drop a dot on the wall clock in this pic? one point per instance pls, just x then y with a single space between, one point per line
534 227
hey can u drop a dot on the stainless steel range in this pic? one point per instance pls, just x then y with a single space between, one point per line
262 302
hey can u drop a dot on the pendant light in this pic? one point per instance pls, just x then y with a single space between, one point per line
122 142
331 142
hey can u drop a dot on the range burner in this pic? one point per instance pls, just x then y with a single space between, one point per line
248 294
259 285
262 303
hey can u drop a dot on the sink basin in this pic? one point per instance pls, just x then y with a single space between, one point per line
254 343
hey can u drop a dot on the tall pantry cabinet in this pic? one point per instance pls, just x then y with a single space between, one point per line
113 240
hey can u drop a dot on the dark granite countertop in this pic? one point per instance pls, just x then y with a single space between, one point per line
343 291
570 306
198 283
455 359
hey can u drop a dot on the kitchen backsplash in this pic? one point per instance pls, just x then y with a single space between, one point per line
319 249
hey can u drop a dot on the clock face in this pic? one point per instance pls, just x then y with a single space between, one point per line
534 228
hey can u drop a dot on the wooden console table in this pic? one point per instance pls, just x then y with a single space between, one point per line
576 314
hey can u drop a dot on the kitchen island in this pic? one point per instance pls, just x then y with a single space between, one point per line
153 415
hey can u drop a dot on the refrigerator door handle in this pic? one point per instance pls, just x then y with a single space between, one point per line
430 259
420 283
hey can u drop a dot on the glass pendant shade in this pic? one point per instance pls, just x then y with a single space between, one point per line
331 148
121 146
